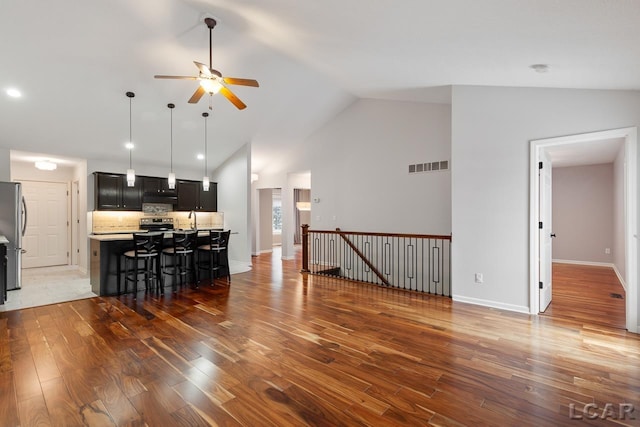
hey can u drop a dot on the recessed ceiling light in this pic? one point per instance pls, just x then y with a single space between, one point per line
129 145
540 68
14 93
200 156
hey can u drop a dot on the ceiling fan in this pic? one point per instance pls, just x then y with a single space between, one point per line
211 80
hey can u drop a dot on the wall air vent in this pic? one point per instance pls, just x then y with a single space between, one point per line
437 166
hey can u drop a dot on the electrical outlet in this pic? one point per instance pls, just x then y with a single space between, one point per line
607 250
479 278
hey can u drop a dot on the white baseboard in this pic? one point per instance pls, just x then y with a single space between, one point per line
492 304
265 251
592 263
288 258
620 278
596 264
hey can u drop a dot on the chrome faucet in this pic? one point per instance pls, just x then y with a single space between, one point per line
194 226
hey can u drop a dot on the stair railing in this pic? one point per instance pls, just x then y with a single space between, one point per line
417 262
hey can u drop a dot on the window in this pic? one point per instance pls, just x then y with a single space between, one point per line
276 222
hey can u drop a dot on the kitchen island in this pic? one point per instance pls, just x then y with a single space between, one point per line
106 267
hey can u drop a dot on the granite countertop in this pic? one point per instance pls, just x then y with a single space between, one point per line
129 236
3 240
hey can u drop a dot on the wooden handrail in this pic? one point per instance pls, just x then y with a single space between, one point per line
362 257
364 233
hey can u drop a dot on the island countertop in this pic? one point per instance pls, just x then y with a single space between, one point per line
129 236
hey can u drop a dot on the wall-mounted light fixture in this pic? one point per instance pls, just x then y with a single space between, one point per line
303 206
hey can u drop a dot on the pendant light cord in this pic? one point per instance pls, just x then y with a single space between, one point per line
205 115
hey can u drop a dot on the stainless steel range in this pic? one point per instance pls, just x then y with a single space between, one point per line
156 224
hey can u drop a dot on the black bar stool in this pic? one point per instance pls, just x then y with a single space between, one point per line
183 255
217 254
147 250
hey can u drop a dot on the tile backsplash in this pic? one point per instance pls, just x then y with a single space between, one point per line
105 222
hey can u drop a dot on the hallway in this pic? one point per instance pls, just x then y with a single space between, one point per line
587 294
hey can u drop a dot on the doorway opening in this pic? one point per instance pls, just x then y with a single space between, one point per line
590 144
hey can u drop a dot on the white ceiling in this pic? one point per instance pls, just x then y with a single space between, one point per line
74 60
585 153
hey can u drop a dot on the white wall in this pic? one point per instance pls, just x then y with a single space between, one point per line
233 178
491 130
359 164
618 217
5 165
264 227
80 175
583 213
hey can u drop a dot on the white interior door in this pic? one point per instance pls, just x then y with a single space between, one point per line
46 237
544 259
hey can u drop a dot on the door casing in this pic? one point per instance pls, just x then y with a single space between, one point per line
537 147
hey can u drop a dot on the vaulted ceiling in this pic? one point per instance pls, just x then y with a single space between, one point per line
73 61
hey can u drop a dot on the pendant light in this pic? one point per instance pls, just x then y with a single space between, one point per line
172 176
131 174
205 179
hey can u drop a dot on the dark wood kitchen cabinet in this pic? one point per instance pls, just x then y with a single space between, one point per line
187 195
191 196
209 199
112 193
154 184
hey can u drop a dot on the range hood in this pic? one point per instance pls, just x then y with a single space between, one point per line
155 197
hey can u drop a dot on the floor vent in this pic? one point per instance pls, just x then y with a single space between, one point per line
441 165
613 295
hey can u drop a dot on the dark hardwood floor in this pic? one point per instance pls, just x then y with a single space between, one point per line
280 349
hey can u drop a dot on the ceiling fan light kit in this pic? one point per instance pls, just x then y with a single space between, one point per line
211 81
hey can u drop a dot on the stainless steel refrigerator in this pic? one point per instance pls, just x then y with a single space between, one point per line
13 222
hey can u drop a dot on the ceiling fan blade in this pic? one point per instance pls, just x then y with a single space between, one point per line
241 82
197 95
203 68
176 77
234 99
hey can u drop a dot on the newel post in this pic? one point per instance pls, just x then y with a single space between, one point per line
305 248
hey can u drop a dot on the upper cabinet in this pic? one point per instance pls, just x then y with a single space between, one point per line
191 196
112 193
209 199
153 184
